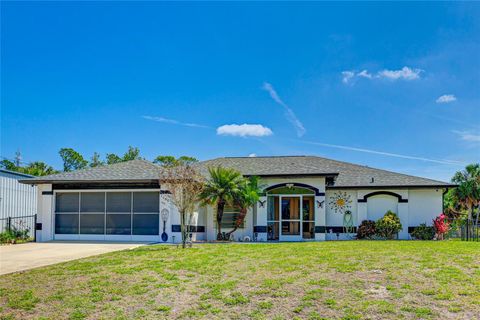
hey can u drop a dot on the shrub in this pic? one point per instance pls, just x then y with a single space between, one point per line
366 230
388 226
423 232
441 226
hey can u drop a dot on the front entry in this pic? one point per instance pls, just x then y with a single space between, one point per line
291 217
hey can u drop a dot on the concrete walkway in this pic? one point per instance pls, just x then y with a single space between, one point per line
26 256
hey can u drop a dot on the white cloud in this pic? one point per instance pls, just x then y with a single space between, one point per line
172 121
252 155
405 73
467 136
383 153
290 115
364 74
244 130
446 98
347 76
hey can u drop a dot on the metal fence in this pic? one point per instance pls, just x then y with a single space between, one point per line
21 228
469 231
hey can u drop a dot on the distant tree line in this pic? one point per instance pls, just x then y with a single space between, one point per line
73 160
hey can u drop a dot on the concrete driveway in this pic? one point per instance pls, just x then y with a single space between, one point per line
26 256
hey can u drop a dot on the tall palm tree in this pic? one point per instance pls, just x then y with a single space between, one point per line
221 189
248 196
468 191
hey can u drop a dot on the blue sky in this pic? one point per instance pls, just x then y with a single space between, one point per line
389 85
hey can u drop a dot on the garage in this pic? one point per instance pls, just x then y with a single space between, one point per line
106 215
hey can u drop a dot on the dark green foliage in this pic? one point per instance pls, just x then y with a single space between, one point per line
72 160
366 230
36 168
423 232
171 161
388 226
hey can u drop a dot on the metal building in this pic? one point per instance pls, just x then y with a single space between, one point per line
17 200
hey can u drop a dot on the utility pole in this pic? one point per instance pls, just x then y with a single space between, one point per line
18 158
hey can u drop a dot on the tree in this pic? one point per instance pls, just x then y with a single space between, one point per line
171 161
166 161
467 194
38 168
133 153
72 160
8 165
246 198
221 189
95 161
185 185
113 158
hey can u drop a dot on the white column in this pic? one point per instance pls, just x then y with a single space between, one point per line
361 212
403 215
320 216
261 222
45 212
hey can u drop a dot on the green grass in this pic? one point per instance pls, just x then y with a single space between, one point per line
328 280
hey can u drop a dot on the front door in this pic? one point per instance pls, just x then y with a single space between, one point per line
290 218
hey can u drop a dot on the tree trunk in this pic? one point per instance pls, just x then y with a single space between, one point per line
241 217
182 229
220 208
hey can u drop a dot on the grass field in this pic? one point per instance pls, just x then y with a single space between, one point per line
331 280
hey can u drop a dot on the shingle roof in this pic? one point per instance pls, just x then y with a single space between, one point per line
347 174
134 170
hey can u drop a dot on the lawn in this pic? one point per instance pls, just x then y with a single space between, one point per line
331 280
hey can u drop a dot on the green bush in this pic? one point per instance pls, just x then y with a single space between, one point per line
366 230
388 226
423 232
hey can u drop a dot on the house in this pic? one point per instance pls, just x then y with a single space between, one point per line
18 202
305 198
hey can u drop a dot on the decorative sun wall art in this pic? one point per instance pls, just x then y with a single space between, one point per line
340 201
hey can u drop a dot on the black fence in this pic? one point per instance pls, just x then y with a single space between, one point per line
18 228
470 231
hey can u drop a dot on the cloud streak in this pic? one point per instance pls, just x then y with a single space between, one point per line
446 98
405 73
244 130
383 153
289 114
467 136
175 122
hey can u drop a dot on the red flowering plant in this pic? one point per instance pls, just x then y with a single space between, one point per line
441 226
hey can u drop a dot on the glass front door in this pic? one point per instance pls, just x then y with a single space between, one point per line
290 209
290 217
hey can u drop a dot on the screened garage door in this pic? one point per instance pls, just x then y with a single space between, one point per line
107 215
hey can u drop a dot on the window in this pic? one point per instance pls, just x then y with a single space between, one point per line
67 213
92 213
146 213
229 219
119 213
112 213
67 202
66 223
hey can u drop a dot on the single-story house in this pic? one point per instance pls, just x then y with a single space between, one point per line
306 198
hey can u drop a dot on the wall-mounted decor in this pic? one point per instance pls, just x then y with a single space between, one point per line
340 202
320 204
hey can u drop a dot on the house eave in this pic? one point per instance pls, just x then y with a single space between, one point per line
439 186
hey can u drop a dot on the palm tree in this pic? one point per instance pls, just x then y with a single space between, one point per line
468 191
245 199
221 189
